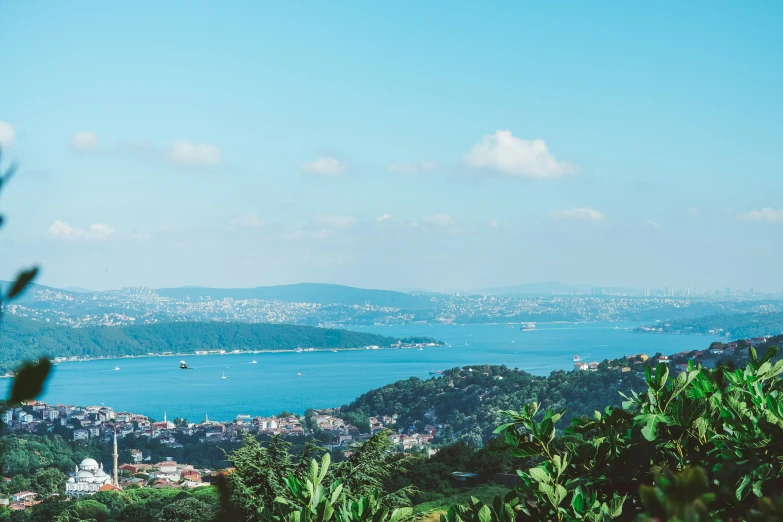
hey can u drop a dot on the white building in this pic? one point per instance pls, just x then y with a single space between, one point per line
81 434
87 479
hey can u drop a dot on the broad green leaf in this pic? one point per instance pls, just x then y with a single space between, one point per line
557 495
540 475
484 514
400 514
740 492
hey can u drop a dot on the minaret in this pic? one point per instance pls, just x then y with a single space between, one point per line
164 419
116 456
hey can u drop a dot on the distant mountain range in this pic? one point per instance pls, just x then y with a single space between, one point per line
323 294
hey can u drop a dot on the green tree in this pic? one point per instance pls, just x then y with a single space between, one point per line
90 510
187 510
48 481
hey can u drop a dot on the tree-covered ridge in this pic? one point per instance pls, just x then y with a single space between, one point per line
737 326
25 339
469 400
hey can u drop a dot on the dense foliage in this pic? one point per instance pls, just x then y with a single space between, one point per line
711 441
24 339
133 505
470 400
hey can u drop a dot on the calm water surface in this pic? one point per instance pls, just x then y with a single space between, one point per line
153 385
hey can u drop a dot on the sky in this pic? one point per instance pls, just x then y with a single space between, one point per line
404 145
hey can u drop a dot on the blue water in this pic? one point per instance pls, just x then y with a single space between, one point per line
155 385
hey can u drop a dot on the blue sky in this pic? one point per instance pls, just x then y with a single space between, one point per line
446 146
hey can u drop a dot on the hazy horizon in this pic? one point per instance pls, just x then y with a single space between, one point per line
434 146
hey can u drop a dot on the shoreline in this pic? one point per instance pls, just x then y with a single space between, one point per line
247 352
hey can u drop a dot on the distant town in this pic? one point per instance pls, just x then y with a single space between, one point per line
141 305
136 467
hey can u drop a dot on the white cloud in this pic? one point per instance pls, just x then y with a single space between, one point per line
581 213
325 166
332 221
85 141
383 217
503 153
7 134
247 221
439 219
187 153
653 224
765 214
96 232
412 168
494 223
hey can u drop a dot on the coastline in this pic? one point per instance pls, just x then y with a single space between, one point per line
234 352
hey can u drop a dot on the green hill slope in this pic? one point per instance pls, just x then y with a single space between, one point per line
24 339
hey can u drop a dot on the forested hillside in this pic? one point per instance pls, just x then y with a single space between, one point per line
27 339
736 326
469 400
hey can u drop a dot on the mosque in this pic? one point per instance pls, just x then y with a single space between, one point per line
89 477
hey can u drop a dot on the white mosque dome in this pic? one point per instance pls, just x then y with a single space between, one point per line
84 474
88 464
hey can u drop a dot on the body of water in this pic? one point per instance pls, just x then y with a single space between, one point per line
296 381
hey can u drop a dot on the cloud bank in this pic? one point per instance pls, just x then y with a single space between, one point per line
325 166
96 232
513 157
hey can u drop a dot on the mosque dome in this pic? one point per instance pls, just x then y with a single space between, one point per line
89 465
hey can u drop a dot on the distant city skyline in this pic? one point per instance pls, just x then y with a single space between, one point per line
435 146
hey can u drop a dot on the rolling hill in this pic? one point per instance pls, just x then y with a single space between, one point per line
324 294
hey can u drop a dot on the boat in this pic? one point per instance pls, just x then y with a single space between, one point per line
334 351
224 375
436 372
183 365
528 326
116 368
253 362
299 350
576 358
298 374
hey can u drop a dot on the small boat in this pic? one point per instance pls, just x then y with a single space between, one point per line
116 368
436 372
253 362
576 358
528 326
298 374
183 365
224 375
334 351
421 349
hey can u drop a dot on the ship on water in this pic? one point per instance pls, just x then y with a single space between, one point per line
576 358
528 326
436 372
183 365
